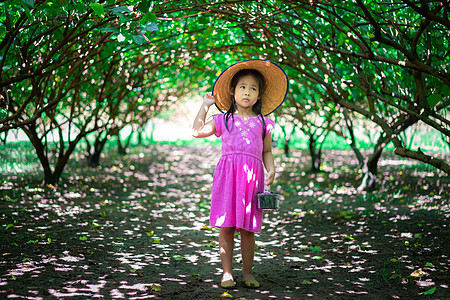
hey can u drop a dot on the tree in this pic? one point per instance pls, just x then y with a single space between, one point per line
45 57
341 50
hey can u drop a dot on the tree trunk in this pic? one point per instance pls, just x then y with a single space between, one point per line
121 149
140 132
286 146
316 158
62 161
355 149
4 137
30 131
50 177
93 157
370 168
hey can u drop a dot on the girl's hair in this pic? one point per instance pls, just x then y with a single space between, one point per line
258 104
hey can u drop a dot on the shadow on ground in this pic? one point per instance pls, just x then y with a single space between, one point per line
137 228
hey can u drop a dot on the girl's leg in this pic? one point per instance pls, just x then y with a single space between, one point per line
248 253
226 245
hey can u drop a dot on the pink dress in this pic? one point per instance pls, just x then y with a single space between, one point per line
239 174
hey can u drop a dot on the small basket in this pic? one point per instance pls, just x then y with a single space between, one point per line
268 201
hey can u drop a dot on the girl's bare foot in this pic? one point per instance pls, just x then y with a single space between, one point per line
250 281
227 281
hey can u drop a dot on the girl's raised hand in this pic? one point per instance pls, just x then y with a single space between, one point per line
209 99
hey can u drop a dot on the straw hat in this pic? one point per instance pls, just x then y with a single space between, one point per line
276 82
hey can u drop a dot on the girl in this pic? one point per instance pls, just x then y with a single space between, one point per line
247 91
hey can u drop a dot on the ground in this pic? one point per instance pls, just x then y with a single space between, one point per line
137 228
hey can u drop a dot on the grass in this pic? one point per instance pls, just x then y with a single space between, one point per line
18 157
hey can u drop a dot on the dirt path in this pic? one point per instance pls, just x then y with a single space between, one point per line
137 228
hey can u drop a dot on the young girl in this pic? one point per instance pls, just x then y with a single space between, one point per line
247 91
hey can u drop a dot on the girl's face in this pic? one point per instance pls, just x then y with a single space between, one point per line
246 92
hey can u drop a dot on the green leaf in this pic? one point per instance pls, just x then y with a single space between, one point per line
27 3
83 238
94 224
150 26
110 29
316 249
138 39
341 38
210 245
144 6
434 99
98 9
149 17
430 291
209 30
120 10
178 257
9 226
122 17
203 20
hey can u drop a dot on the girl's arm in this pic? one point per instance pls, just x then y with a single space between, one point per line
268 160
200 129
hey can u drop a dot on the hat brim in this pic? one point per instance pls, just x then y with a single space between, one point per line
276 84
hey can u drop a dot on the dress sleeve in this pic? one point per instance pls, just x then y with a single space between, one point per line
269 125
218 120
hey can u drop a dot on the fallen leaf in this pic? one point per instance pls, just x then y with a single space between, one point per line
430 291
211 244
316 248
226 295
94 224
417 273
156 288
178 257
